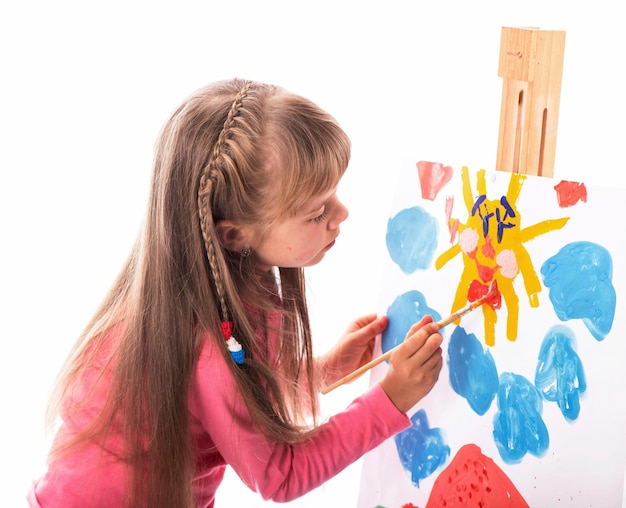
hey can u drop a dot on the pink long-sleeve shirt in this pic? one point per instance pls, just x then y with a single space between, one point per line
223 435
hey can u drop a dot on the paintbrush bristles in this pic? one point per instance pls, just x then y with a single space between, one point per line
491 293
444 322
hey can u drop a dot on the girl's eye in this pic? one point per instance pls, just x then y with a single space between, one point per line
320 217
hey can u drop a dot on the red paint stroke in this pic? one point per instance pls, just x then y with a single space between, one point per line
488 249
473 479
477 290
486 273
453 224
454 227
570 193
433 177
409 505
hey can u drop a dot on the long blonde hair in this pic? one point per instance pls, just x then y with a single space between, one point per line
233 150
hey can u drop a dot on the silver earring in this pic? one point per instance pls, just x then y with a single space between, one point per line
245 252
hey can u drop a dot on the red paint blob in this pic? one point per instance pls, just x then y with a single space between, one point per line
473 479
570 193
433 177
477 290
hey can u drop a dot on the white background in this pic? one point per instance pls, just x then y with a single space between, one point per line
85 88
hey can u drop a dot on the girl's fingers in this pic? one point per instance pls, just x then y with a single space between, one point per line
420 338
420 324
363 321
370 325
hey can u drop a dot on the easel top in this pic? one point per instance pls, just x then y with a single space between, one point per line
527 52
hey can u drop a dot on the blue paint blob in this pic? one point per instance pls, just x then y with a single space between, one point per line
412 239
421 449
518 427
406 310
579 278
473 372
559 375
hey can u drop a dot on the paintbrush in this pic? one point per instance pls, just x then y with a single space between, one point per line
491 292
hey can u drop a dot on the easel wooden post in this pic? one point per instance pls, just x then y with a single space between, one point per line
531 65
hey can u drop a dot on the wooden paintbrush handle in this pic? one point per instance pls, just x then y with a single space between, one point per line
361 370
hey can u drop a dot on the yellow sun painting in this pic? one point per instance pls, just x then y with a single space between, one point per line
492 245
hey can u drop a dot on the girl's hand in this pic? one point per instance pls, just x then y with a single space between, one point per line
353 349
414 366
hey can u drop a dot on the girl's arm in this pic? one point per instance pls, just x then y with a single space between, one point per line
278 471
283 472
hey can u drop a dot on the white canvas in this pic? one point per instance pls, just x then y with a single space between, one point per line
530 404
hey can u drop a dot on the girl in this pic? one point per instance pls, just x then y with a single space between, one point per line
201 356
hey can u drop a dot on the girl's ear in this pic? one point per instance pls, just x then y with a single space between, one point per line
233 236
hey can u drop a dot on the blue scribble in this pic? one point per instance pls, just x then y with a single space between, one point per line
502 216
421 449
473 372
559 375
406 310
476 209
518 428
412 239
579 278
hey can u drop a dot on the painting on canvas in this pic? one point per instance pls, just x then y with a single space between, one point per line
528 409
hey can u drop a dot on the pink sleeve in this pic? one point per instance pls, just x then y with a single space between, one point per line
279 471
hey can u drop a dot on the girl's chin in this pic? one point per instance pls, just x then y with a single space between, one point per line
318 258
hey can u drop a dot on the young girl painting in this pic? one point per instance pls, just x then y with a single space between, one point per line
201 354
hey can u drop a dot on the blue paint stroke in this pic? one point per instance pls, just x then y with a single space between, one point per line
579 278
518 428
412 239
421 449
559 375
473 372
406 310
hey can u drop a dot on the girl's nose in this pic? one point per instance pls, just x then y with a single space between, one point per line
340 214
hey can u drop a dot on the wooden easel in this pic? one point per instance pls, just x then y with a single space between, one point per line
531 65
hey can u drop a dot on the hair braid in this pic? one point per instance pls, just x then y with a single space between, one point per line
207 180
210 239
